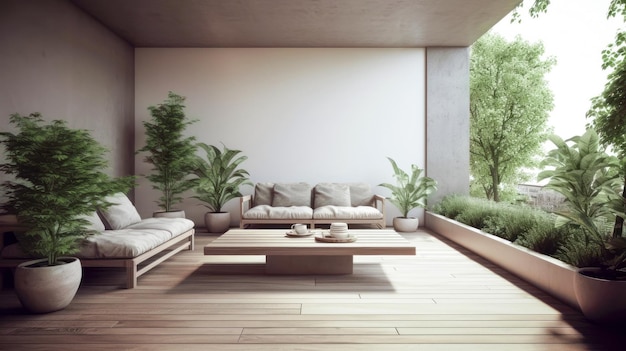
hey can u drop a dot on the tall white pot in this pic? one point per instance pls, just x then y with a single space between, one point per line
42 289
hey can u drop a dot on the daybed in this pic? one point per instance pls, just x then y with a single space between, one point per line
123 239
288 203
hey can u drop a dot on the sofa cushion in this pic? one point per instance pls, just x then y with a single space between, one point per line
95 223
361 194
291 194
175 226
269 212
121 214
124 243
263 193
332 194
341 212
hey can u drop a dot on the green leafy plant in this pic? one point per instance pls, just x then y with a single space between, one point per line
171 154
58 177
589 180
219 178
410 191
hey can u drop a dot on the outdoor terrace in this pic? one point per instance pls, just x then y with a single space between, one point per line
443 298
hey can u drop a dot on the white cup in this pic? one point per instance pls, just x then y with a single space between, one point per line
299 228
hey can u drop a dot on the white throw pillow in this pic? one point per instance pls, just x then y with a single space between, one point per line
121 214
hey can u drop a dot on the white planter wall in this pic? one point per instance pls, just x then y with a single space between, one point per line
547 273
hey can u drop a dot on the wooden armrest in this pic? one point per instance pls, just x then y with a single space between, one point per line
245 202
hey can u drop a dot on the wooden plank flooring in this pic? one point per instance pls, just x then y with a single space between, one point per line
443 298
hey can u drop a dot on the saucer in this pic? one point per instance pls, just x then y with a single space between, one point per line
291 233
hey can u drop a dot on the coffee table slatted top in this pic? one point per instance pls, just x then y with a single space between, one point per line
275 242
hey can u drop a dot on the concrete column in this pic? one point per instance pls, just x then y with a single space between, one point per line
447 120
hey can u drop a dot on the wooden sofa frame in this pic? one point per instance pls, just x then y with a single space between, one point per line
132 264
245 203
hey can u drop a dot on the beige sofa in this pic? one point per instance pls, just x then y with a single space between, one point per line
288 203
123 240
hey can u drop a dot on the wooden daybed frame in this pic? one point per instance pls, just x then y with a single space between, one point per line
152 258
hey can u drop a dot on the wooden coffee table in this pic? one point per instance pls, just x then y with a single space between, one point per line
304 255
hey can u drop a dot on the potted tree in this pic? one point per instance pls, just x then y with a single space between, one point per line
219 180
410 191
170 153
589 180
58 181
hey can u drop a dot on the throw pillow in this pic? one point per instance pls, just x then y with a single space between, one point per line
333 194
121 214
361 194
263 194
291 194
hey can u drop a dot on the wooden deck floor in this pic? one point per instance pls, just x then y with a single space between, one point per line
444 298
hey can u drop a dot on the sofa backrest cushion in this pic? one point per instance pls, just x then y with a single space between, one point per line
361 194
263 194
332 194
291 194
120 214
95 223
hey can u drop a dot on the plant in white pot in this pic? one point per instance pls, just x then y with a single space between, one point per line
409 192
218 182
58 181
170 153
589 179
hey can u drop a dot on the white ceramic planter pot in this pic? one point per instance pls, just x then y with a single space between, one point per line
600 300
403 224
217 222
43 289
169 214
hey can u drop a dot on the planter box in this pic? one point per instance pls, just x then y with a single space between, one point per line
545 272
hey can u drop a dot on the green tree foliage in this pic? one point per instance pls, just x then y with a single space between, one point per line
509 105
171 154
58 177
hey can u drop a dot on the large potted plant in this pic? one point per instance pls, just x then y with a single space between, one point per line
170 153
219 180
409 192
58 181
589 180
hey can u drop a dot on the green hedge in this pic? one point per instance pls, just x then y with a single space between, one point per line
523 225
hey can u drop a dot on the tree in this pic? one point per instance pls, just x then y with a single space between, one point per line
170 152
608 110
509 105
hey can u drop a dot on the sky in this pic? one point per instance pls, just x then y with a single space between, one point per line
574 32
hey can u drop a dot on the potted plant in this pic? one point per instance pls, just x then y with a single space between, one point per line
409 193
219 180
170 153
58 180
589 180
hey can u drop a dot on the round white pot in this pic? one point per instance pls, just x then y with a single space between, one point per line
600 300
405 224
43 289
169 214
217 222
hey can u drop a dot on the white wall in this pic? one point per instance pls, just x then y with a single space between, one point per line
308 115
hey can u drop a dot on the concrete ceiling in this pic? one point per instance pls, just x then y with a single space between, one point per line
298 23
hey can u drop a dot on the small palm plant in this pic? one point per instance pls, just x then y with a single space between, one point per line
219 178
412 190
589 180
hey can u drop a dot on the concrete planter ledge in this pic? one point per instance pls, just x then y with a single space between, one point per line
545 272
